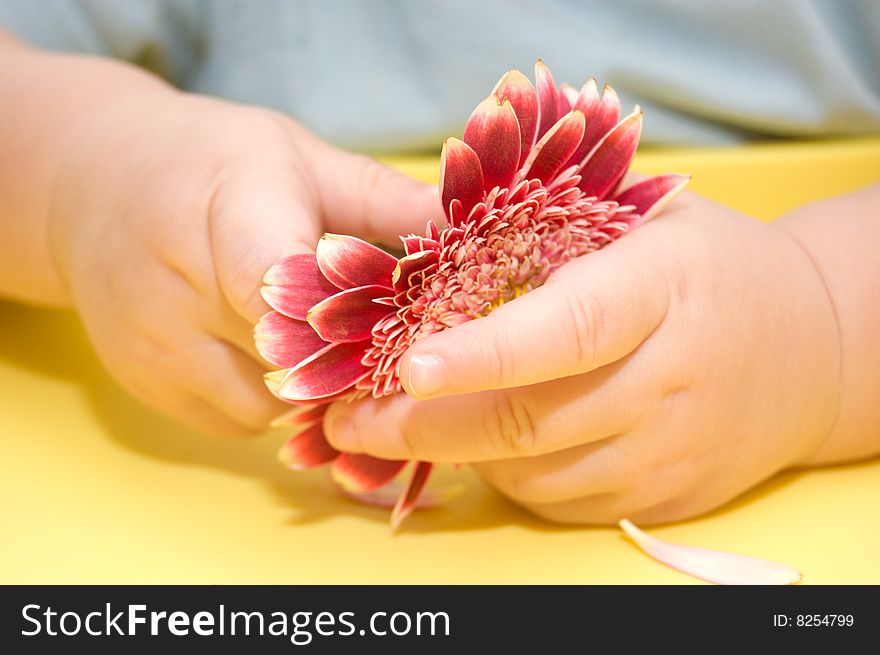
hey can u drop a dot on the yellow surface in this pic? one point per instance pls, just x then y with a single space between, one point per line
95 488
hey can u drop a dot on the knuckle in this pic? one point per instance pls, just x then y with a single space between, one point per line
510 424
501 361
411 444
584 321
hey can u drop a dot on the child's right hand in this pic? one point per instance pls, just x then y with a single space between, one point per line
168 210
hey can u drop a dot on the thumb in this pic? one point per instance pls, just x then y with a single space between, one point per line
256 217
362 197
591 312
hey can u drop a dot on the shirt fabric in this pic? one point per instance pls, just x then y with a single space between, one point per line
391 75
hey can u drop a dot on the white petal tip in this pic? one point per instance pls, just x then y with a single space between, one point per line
712 565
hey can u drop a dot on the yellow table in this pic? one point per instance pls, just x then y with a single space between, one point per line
97 489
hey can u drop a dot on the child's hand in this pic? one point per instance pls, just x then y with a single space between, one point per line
655 379
169 209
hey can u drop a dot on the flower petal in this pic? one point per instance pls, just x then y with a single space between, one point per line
461 176
610 160
358 473
411 264
652 195
389 495
273 380
493 133
555 147
351 262
307 449
602 114
410 496
712 565
349 315
566 97
517 88
329 371
294 284
548 99
284 341
300 416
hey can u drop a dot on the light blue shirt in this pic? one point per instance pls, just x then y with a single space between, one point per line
385 75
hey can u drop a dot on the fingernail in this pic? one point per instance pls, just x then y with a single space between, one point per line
427 376
341 434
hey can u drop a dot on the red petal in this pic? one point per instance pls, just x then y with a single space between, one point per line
516 87
295 284
650 196
461 176
358 473
412 264
555 147
410 495
566 97
301 416
329 371
349 315
493 133
601 114
457 214
307 449
273 380
284 341
610 160
351 262
547 98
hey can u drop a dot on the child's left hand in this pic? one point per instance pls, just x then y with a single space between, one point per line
655 379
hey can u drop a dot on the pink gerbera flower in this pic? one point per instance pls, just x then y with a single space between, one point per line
532 184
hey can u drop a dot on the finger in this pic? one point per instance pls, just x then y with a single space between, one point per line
185 407
593 311
610 508
587 470
601 509
259 215
238 333
360 196
202 416
493 425
229 380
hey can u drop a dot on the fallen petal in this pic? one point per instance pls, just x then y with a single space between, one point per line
652 195
329 371
349 315
307 449
351 262
358 473
410 496
294 284
517 88
284 341
461 176
712 565
610 160
493 133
